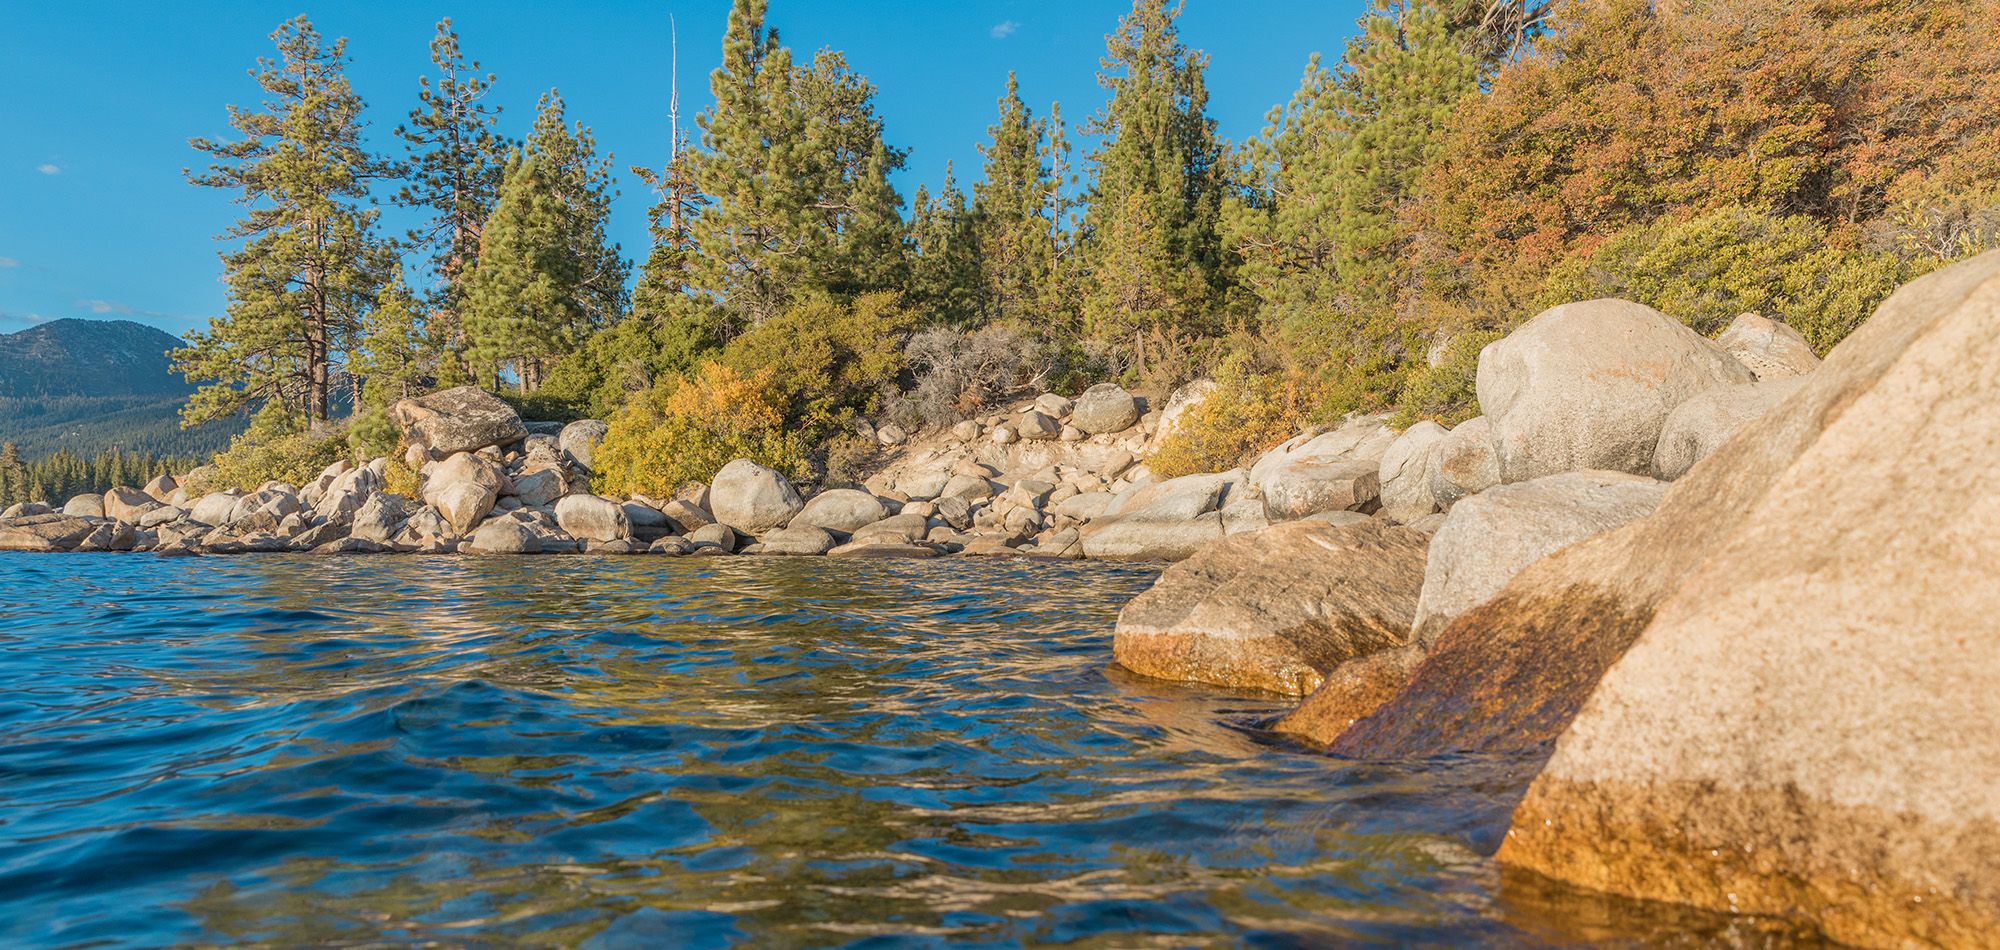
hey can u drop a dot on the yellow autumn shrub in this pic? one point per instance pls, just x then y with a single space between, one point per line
686 429
1246 415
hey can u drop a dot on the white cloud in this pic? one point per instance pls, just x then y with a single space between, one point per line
9 262
106 306
49 168
28 318
1004 29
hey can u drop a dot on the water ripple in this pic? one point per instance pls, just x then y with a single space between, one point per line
698 753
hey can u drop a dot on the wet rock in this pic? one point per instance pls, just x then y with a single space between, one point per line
465 419
1589 386
881 548
1277 609
798 540
1104 408
1351 691
1768 348
752 498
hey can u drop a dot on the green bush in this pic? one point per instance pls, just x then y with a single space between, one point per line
827 360
688 429
1706 270
1447 393
273 449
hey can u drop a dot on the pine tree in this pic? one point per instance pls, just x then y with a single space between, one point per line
309 266
871 247
523 301
1156 191
12 476
582 181
1019 210
456 168
945 276
788 164
396 352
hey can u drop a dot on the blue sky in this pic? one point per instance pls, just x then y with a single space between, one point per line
97 102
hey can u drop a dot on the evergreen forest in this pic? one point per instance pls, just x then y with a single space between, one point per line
1457 167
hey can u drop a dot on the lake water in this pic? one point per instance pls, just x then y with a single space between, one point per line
652 752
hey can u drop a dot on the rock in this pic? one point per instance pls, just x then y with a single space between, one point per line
713 536
798 540
1353 690
753 499
1705 421
1364 438
925 484
1337 518
1797 713
1169 521
892 434
969 488
1086 506
966 430
465 419
881 548
1054 405
1489 538
578 441
540 487
160 515
463 489
1408 469
1277 609
620 546
1306 487
685 516
426 527
1589 386
904 528
84 506
649 524
1005 435
1036 427
162 488
380 517
1104 408
214 509
318 536
671 547
45 532
593 518
841 510
504 536
1768 348
127 504
956 512
1467 462
1174 413
27 508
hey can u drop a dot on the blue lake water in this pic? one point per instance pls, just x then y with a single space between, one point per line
651 752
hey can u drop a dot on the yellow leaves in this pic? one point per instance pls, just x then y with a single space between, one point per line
686 429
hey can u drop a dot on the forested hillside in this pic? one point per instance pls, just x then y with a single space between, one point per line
1458 166
91 385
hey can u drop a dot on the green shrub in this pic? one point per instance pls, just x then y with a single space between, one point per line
826 360
1247 414
1447 393
688 429
272 449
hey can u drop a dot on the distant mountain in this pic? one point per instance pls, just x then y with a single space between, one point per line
89 385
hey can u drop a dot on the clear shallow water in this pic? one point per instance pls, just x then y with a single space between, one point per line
642 752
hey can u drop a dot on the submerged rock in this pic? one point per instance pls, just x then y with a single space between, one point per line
1276 609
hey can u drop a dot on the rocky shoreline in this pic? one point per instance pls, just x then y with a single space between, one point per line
1741 601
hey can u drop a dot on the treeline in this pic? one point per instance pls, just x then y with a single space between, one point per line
1463 164
62 474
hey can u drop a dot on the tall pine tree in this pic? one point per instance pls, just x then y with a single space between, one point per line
945 276
1019 208
1152 245
308 267
457 164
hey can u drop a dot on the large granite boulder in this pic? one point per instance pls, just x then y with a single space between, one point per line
1774 694
128 504
84 506
1174 414
751 498
841 510
504 536
1467 462
1308 487
465 419
1103 408
1767 348
216 507
1589 386
1166 521
1701 424
1490 537
380 517
46 532
1276 609
463 489
798 540
593 518
1351 691
1408 469
540 487
578 440
1807 723
162 488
